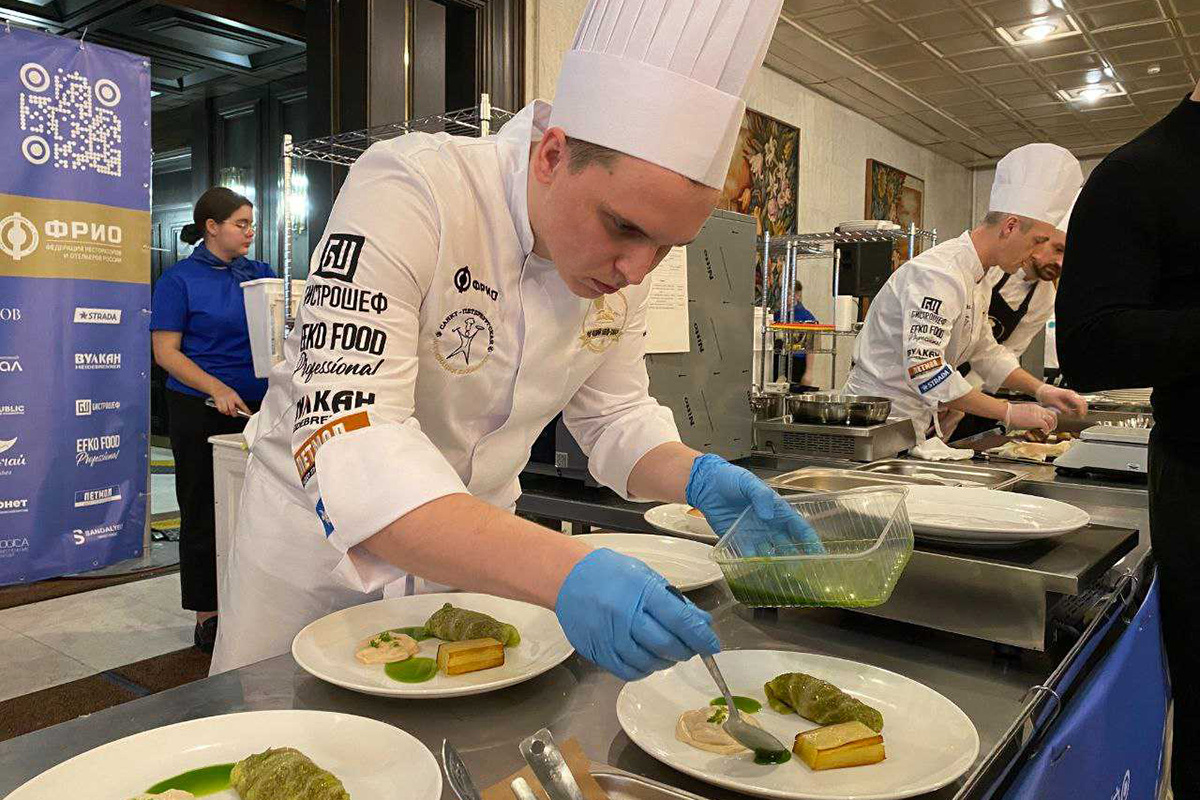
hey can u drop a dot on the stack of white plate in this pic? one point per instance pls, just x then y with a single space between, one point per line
1141 396
858 225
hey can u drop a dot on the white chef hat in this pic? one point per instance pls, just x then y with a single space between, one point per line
1066 220
664 80
1036 181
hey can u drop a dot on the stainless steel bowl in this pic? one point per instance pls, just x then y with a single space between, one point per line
823 408
867 410
768 406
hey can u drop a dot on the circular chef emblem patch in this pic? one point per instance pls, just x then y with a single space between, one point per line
464 341
604 322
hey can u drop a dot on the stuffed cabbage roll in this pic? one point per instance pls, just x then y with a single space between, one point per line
818 701
284 773
452 624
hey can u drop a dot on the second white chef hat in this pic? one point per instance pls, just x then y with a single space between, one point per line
664 80
1038 181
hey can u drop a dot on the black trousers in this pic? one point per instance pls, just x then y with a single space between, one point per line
1174 487
190 424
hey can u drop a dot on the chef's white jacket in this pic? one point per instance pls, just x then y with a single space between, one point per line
1041 308
929 318
431 349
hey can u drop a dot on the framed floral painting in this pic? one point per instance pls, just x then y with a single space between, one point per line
895 195
764 182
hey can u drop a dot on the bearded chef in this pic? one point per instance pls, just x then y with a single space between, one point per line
1021 305
931 316
464 293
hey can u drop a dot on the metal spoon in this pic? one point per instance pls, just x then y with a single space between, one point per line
767 749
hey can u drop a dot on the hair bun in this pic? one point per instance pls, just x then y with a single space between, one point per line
190 233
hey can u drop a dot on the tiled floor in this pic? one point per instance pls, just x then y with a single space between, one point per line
55 641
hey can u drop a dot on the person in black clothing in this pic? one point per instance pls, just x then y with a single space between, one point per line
1132 282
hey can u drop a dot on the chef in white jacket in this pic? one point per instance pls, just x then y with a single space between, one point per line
465 292
932 314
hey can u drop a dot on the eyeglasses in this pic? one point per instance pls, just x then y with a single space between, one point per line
244 226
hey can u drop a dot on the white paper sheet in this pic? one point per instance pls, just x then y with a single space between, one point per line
668 328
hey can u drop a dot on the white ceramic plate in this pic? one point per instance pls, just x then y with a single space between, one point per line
929 740
685 564
371 758
986 517
673 518
325 648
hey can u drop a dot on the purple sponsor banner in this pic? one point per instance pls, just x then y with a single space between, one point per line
73 425
74 347
74 122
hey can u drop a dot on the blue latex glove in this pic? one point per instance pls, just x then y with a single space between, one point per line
619 614
722 492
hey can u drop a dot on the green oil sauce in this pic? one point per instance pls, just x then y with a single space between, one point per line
746 705
418 633
200 782
412 670
771 756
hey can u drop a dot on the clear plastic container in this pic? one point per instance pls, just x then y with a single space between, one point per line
867 537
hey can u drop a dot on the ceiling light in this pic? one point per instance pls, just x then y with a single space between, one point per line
1153 69
1094 76
1092 93
1056 3
1038 31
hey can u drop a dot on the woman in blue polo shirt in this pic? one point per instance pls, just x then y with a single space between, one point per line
200 338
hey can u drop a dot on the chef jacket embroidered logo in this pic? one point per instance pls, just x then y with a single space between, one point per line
604 323
932 304
463 281
339 258
459 343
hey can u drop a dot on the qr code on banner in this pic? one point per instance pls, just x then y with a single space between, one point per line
70 120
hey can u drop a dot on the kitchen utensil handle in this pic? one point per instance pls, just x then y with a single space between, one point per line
547 762
522 789
208 401
711 665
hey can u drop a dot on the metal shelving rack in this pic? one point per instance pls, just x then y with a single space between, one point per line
812 246
345 148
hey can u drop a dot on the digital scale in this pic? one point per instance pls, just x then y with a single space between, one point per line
1108 448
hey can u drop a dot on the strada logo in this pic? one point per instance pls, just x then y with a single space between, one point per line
84 408
13 506
6 444
82 536
97 361
95 497
317 408
10 364
98 316
97 449
12 410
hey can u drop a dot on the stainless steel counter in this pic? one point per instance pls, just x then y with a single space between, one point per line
578 700
573 700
